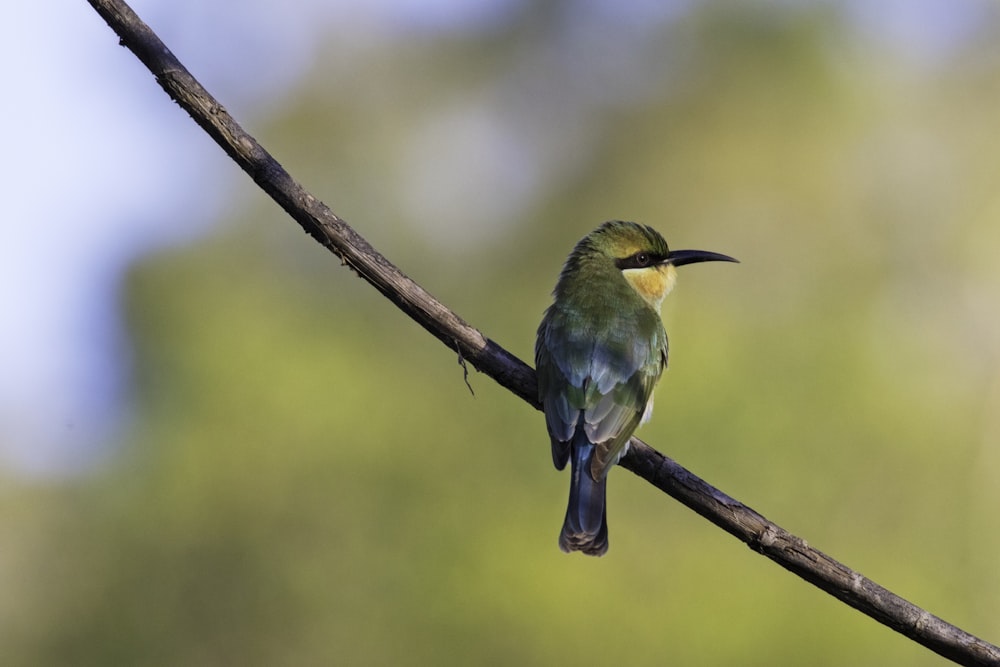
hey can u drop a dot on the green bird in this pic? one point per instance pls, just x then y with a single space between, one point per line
600 351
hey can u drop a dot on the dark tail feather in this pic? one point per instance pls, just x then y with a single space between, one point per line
586 525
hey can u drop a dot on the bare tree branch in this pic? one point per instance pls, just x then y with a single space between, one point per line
321 223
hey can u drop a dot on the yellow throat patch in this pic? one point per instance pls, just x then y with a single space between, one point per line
652 283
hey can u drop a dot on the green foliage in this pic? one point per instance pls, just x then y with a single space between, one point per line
308 481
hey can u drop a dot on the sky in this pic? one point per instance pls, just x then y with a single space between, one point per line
102 169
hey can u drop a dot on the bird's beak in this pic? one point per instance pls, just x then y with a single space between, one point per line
682 257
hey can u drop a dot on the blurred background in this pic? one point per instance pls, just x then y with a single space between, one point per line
218 446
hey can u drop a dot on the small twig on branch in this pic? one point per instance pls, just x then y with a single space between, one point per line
321 223
465 369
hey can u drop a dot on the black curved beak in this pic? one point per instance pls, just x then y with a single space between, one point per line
682 257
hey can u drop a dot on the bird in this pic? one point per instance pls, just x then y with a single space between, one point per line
599 352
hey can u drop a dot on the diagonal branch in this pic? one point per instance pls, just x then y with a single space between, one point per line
322 224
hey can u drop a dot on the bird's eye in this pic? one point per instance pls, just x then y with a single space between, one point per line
639 260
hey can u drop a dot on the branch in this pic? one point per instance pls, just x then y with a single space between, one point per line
473 347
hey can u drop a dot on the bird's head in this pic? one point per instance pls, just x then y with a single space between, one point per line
643 258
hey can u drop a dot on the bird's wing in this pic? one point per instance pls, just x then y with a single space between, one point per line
561 392
612 420
609 382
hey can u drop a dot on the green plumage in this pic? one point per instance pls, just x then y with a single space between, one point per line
600 350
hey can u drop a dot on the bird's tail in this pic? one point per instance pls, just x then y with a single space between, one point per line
586 525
